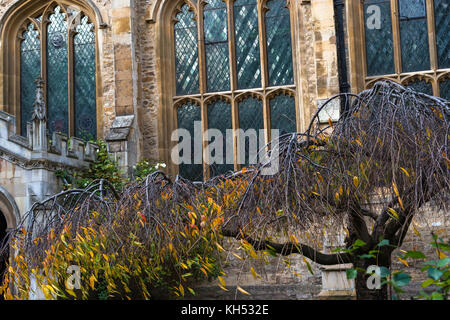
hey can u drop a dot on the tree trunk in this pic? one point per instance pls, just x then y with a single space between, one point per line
363 290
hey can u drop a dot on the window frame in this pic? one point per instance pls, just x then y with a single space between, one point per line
235 95
357 50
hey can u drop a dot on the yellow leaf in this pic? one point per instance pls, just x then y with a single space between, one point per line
222 282
92 282
254 273
181 289
403 261
394 186
204 271
441 254
404 170
242 290
393 212
356 181
234 254
416 231
222 287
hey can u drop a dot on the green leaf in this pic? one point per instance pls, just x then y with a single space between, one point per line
437 296
402 279
415 255
384 272
358 244
434 273
382 243
367 256
351 273
443 262
427 282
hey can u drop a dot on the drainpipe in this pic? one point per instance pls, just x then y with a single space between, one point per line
344 86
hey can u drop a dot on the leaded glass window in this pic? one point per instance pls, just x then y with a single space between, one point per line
57 72
84 80
219 118
65 57
251 121
442 21
379 42
230 55
216 46
414 35
186 53
279 50
421 86
282 114
404 40
30 68
188 115
247 44
444 87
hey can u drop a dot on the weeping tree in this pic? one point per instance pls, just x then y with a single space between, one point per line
370 175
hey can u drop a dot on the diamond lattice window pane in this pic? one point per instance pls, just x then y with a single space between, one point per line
414 36
279 48
247 44
251 121
84 81
216 46
186 53
442 17
379 43
219 118
445 89
57 72
30 70
188 114
422 86
282 114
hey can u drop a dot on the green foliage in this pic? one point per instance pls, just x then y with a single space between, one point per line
438 272
103 168
145 167
106 168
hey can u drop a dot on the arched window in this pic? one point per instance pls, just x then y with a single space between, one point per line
57 42
235 59
406 41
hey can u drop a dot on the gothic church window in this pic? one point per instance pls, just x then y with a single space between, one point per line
407 41
233 70
58 43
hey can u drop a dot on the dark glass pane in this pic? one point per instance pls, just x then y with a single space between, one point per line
84 81
414 36
188 114
279 48
247 44
445 89
30 70
216 46
186 53
250 117
57 72
422 86
442 17
379 43
282 114
219 117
